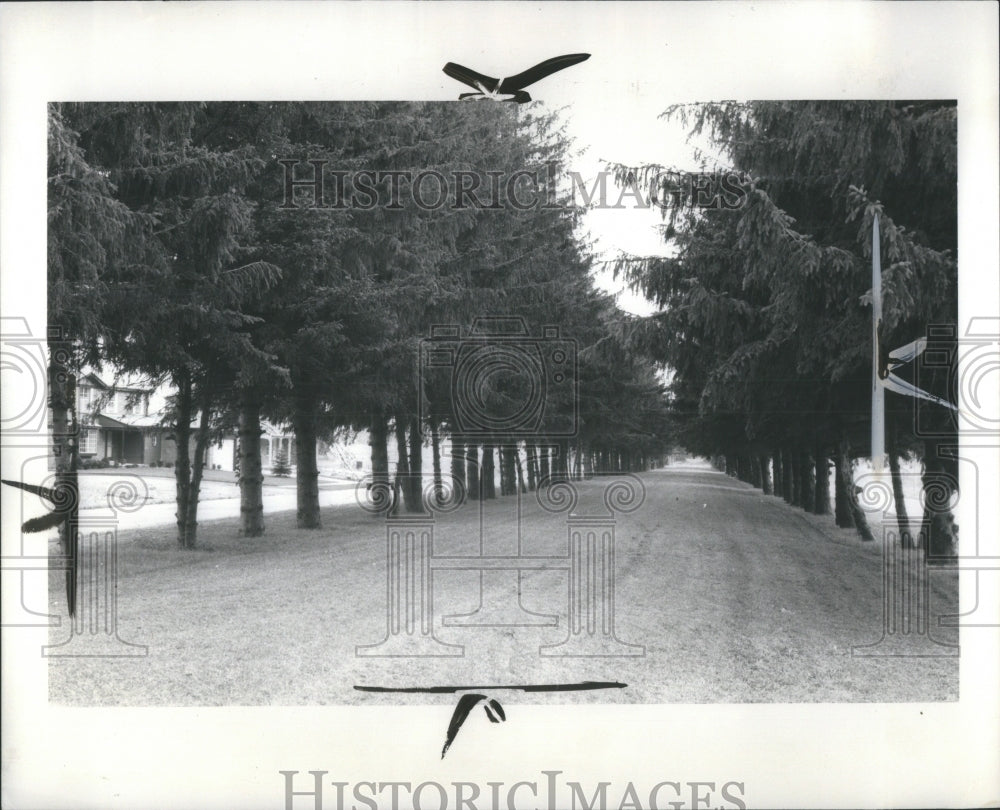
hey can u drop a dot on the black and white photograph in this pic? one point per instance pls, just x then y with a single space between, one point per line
500 405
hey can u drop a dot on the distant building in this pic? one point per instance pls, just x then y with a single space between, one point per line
116 424
274 439
127 422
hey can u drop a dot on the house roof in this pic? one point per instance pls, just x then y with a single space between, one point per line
133 421
125 383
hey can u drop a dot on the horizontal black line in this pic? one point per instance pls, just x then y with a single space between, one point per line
529 687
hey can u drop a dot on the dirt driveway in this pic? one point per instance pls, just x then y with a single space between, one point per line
732 595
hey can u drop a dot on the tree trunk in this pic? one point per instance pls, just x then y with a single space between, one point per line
416 465
821 496
306 472
857 513
62 398
765 474
200 448
902 518
787 476
472 470
436 460
182 465
532 461
379 438
796 461
251 469
508 453
543 465
843 486
938 521
808 482
458 467
502 464
402 482
520 470
860 521
562 462
489 472
778 486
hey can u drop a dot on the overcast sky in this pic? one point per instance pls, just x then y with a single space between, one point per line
622 128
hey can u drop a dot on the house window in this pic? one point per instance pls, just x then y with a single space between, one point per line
83 399
88 440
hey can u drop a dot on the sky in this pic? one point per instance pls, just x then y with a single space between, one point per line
621 128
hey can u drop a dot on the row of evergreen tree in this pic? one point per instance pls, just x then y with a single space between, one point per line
176 252
173 251
766 316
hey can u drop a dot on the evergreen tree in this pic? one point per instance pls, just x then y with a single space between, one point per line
281 467
766 309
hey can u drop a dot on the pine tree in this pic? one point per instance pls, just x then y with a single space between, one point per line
281 467
179 311
765 320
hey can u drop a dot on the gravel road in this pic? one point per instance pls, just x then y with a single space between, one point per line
730 596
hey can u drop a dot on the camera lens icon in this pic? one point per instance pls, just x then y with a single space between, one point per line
970 364
498 388
503 381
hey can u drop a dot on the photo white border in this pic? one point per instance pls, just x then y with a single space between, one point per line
819 755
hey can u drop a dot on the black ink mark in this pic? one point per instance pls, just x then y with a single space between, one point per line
64 502
529 687
494 711
465 706
488 87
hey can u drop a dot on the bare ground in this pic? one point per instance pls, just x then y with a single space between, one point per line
735 597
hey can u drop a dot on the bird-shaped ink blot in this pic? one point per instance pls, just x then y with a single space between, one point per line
488 87
64 499
494 711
